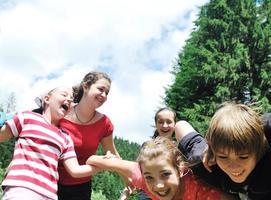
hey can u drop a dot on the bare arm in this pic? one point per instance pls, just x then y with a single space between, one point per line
122 167
78 171
5 133
109 145
182 128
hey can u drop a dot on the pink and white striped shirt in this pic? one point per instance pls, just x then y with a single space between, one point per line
38 149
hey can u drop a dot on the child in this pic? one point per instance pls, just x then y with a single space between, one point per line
88 129
238 147
165 120
160 171
32 173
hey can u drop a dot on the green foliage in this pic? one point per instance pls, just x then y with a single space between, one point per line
226 58
6 149
111 184
98 196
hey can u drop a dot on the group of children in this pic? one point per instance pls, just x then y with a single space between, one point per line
232 162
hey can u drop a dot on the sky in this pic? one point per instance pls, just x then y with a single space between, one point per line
49 43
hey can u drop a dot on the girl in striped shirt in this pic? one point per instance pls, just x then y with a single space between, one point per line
40 145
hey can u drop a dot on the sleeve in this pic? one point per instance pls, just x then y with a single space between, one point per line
192 146
68 151
137 178
16 124
109 127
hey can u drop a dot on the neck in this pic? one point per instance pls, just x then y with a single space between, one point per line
79 116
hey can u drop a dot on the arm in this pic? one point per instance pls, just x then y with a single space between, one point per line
109 145
78 171
183 128
192 144
122 167
5 133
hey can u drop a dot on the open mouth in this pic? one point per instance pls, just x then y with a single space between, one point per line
65 107
164 193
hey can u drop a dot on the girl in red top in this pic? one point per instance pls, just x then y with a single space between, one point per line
161 172
88 128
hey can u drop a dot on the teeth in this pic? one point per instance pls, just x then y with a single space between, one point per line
236 173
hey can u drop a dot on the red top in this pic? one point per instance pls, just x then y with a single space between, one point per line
194 188
86 140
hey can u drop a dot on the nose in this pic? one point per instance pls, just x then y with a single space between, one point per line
69 99
104 94
165 124
233 164
159 184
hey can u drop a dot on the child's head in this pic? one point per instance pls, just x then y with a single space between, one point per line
56 103
165 120
160 163
236 140
88 81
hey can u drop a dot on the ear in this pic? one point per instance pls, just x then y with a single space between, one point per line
46 99
85 87
183 170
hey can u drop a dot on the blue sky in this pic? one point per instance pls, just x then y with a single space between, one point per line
45 43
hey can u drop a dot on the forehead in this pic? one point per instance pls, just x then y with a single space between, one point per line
231 152
165 114
63 89
157 164
103 82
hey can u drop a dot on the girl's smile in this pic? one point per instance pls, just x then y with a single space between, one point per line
162 179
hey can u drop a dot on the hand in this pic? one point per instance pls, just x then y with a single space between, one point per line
207 162
110 155
127 191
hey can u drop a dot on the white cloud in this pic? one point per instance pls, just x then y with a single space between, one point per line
45 43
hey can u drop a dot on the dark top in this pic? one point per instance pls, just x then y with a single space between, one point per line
256 187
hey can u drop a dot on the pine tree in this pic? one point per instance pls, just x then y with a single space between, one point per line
226 58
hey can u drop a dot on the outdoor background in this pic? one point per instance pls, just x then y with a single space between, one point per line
191 56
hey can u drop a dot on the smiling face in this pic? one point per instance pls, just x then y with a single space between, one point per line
162 178
236 166
58 103
165 123
98 91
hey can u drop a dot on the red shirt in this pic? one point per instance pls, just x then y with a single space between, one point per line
86 139
194 189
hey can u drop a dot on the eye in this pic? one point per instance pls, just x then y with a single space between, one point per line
148 178
166 174
243 157
221 157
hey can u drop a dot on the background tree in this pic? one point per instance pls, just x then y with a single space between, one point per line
11 103
111 184
227 57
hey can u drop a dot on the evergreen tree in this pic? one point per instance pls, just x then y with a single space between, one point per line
227 57
111 184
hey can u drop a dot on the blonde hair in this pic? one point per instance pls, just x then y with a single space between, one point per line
236 127
161 146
